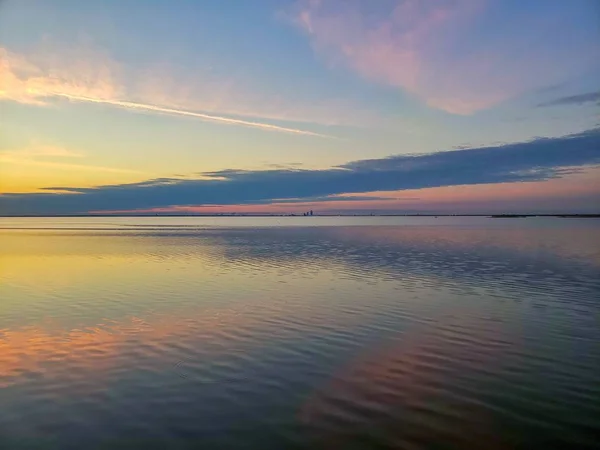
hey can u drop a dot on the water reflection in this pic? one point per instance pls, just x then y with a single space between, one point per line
364 336
424 386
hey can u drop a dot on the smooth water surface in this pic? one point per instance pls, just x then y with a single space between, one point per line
277 333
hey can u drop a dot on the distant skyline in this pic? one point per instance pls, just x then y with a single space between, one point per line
286 106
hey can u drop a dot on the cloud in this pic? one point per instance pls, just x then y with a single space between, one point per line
437 50
539 159
93 80
579 99
62 165
338 198
43 151
171 86
86 73
206 117
76 71
46 155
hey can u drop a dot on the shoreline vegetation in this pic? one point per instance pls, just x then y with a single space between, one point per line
493 216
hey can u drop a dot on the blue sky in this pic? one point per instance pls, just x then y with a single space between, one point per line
97 94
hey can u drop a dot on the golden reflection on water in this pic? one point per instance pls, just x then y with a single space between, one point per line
43 265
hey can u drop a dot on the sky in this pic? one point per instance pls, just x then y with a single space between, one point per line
281 106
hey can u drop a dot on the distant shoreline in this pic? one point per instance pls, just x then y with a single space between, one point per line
516 216
229 215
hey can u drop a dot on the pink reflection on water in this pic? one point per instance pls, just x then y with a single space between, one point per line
416 389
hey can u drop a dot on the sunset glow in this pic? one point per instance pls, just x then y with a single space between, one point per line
270 93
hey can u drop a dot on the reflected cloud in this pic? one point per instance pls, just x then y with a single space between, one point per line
398 388
400 333
92 351
48 264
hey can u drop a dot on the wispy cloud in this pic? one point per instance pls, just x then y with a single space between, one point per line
53 157
63 165
86 73
90 75
36 78
536 160
580 99
41 150
426 48
179 112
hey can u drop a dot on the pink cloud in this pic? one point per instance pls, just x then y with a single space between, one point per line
84 72
419 46
89 75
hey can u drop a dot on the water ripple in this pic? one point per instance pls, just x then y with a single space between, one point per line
134 335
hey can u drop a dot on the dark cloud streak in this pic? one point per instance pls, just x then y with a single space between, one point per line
539 159
579 99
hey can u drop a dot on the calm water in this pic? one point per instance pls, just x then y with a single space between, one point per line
277 333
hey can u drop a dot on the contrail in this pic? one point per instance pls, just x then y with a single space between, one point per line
207 117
